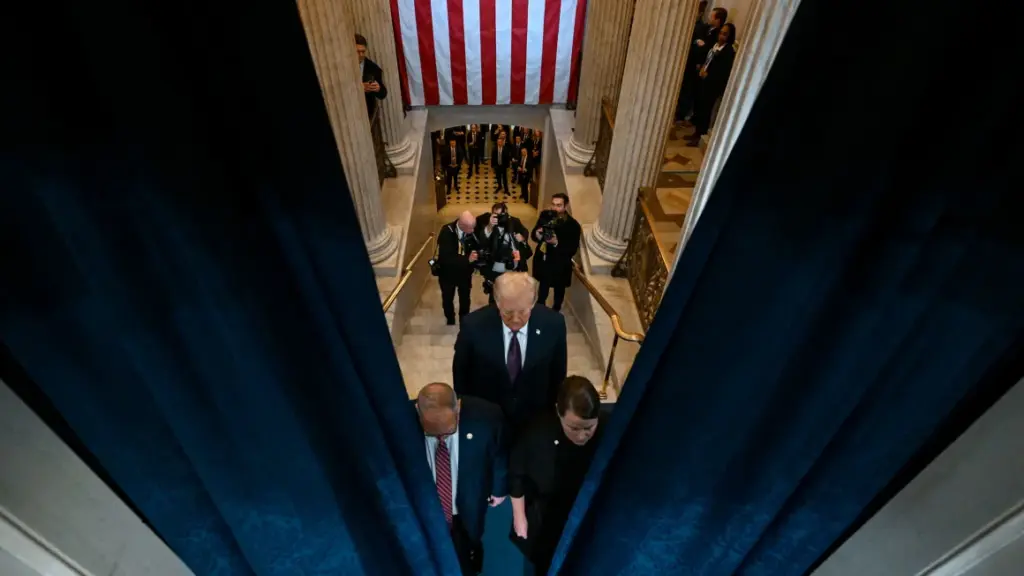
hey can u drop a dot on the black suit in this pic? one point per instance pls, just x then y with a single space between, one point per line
482 472
501 243
552 265
373 73
452 164
475 149
688 92
455 272
500 162
524 175
479 367
711 87
547 470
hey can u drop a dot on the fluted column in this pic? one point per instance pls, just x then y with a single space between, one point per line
330 36
766 25
604 55
372 19
658 47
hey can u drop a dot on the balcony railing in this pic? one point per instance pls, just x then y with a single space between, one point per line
646 262
598 165
385 169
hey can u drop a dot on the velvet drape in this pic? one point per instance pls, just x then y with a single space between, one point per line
857 273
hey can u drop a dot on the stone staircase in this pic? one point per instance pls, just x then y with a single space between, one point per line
428 344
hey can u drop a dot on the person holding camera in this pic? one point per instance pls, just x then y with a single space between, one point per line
456 259
558 238
504 245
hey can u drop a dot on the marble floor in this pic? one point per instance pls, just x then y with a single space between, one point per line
674 189
482 188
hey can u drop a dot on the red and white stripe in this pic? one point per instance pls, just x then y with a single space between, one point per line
488 51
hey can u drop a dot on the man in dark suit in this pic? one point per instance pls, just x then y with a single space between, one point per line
467 459
373 77
504 238
474 148
704 37
501 158
451 158
712 81
456 256
557 235
513 354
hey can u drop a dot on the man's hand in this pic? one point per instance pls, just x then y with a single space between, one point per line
494 221
494 501
539 234
519 238
367 86
515 256
553 240
703 73
700 43
473 256
374 86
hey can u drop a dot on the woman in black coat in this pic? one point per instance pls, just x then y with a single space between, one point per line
712 80
547 467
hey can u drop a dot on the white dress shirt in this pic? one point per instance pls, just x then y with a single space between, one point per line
522 341
453 454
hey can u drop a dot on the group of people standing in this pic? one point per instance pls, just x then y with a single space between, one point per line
513 425
708 67
508 148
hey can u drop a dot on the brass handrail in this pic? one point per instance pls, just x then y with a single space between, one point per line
620 332
644 194
406 274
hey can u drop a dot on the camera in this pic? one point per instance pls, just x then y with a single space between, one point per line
550 222
503 219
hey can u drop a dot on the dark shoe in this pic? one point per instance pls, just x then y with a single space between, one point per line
451 321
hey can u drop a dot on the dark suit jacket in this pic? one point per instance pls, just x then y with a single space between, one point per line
479 145
534 475
483 462
446 156
494 241
457 133
453 265
371 73
506 155
479 367
555 262
713 85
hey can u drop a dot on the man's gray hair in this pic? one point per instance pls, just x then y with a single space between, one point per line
515 283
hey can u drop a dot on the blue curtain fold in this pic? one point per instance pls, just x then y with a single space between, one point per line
185 279
857 272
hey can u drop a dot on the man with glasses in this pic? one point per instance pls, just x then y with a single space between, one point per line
513 354
467 460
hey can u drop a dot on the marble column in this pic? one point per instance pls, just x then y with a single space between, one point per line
604 55
372 19
330 35
658 47
766 26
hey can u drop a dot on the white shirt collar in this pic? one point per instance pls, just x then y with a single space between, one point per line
508 331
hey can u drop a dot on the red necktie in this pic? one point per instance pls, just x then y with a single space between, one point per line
443 473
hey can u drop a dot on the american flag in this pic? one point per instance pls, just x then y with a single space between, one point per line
488 51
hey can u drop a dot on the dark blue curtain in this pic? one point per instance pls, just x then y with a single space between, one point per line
184 277
857 273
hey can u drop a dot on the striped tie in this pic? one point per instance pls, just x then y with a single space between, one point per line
443 474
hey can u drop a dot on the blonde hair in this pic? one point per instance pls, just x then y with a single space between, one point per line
515 283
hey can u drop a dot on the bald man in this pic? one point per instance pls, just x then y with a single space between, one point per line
513 353
455 262
467 461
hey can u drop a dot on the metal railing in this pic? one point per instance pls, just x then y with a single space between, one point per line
385 169
598 165
403 279
620 332
645 263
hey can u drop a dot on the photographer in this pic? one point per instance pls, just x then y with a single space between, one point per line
503 245
455 262
558 238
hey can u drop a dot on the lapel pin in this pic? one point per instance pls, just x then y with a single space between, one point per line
556 442
538 331
469 436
